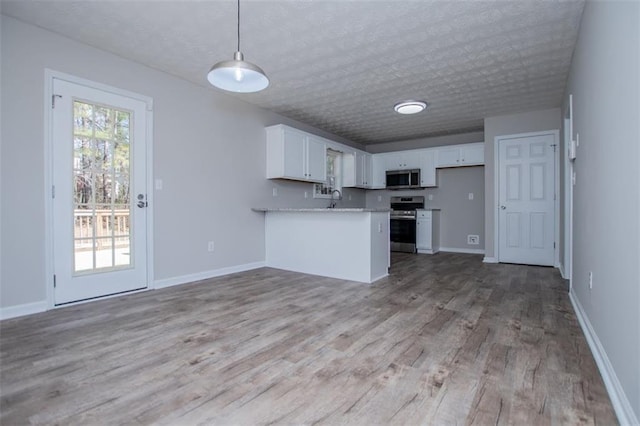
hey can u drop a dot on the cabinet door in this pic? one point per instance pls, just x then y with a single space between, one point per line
316 160
427 168
448 157
472 154
423 234
411 160
378 171
367 170
401 161
363 169
294 154
349 178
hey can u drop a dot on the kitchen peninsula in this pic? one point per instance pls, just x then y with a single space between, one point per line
344 243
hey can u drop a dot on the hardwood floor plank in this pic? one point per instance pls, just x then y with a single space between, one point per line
444 339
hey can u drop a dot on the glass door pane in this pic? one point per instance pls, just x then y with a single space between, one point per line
101 187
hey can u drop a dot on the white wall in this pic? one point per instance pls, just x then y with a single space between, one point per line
604 81
209 150
534 121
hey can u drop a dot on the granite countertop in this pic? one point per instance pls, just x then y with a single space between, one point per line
429 209
316 210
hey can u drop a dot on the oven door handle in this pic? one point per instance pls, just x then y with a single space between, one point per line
403 218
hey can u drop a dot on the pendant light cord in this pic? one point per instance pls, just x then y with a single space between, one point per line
238 25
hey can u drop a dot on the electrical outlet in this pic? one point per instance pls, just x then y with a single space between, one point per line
471 195
211 246
590 280
306 194
379 198
159 184
349 197
473 239
430 197
275 192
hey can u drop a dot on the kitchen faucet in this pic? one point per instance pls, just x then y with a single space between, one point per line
332 203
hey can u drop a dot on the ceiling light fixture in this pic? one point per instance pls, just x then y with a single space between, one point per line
410 107
238 75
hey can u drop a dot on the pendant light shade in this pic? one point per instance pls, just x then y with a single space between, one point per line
238 75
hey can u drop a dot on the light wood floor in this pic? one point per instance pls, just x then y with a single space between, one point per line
444 340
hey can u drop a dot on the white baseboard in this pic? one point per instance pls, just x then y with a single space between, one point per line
488 259
560 267
21 310
619 399
169 282
462 250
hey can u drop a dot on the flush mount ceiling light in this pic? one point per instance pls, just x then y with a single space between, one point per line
410 107
238 75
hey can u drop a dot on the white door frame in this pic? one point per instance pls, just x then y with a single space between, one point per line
567 264
556 188
49 75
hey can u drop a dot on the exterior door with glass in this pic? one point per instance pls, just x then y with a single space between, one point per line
99 192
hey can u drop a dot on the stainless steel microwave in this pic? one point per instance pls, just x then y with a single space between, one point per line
403 179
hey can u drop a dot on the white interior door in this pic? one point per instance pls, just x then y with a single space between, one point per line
526 218
99 203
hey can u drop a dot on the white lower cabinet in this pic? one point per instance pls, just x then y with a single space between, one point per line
428 231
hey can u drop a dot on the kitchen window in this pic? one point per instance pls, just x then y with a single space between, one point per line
334 176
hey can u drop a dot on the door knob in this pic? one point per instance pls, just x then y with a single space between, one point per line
503 207
141 201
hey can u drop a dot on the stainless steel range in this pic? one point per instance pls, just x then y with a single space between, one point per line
403 222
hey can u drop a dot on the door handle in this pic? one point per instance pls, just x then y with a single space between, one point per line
503 207
141 201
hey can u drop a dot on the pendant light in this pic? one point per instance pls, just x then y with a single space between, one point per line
238 75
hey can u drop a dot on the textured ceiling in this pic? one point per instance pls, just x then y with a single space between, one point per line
342 65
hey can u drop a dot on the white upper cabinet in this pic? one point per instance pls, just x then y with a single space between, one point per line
472 154
292 152
363 169
316 159
461 155
427 160
378 172
402 160
296 155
